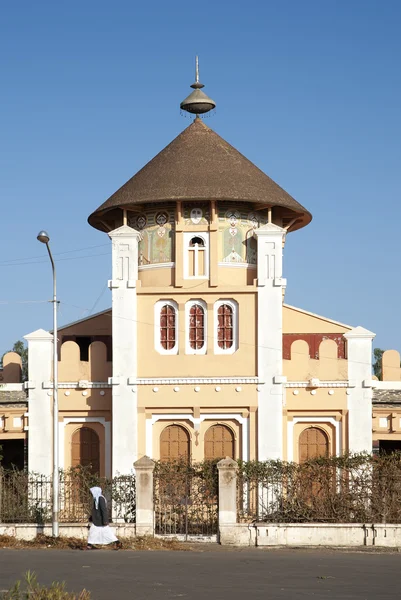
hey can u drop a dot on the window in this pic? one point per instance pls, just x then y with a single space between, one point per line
196 255
85 449
313 442
174 443
196 317
219 442
166 327
226 327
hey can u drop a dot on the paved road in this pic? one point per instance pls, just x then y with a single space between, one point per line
252 574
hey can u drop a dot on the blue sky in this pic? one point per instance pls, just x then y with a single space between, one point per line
309 91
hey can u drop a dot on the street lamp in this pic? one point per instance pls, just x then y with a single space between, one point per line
43 237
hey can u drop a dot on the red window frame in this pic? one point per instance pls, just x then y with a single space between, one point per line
196 327
225 326
167 327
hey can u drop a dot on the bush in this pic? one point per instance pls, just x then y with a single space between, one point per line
35 591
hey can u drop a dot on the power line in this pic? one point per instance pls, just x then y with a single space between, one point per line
45 260
31 258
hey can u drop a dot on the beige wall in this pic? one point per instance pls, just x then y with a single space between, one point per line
10 429
391 370
327 368
11 371
153 364
296 320
71 368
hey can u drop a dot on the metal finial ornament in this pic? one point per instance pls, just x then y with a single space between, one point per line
197 103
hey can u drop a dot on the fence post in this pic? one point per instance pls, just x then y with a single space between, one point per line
144 468
227 491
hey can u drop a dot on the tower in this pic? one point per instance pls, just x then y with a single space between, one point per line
197 292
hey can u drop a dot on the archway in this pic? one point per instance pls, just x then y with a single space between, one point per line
219 442
174 443
313 442
85 449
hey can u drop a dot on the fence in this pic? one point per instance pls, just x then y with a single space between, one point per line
27 497
353 489
186 498
180 498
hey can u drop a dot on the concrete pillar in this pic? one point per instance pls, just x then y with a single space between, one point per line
359 393
40 428
125 348
227 491
144 468
270 284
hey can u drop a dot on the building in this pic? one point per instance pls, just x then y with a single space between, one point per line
199 355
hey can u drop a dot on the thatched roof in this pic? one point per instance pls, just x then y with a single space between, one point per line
199 165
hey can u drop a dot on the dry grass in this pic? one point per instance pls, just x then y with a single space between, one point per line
64 543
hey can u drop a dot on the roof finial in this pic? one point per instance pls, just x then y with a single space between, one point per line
197 102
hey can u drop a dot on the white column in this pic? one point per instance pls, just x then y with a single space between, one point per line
40 423
270 341
359 351
124 330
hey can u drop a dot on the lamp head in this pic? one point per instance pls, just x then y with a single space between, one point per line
43 237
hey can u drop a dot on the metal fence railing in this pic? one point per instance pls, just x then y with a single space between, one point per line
326 490
185 499
27 497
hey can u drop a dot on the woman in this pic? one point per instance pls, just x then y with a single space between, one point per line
100 532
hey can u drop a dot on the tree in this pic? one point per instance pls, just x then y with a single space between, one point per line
377 364
20 348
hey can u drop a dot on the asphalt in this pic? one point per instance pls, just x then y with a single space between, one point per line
212 574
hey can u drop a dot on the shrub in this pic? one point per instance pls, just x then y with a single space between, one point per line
35 591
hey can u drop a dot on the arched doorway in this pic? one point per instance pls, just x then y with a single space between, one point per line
219 442
313 442
85 449
174 443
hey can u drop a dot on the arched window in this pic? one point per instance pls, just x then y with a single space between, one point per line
174 443
85 450
196 255
219 442
196 327
166 327
226 327
313 442
197 241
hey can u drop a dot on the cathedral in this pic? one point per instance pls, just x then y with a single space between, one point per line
199 356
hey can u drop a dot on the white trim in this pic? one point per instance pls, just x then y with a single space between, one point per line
104 385
386 385
320 384
188 235
166 265
11 387
311 314
158 306
107 439
234 306
68 385
243 421
243 265
188 306
290 432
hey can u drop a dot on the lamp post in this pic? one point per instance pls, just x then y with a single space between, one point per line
43 237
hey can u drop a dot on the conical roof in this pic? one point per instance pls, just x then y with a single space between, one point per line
199 165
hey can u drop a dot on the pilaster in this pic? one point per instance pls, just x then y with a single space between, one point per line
270 284
359 351
125 347
40 372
